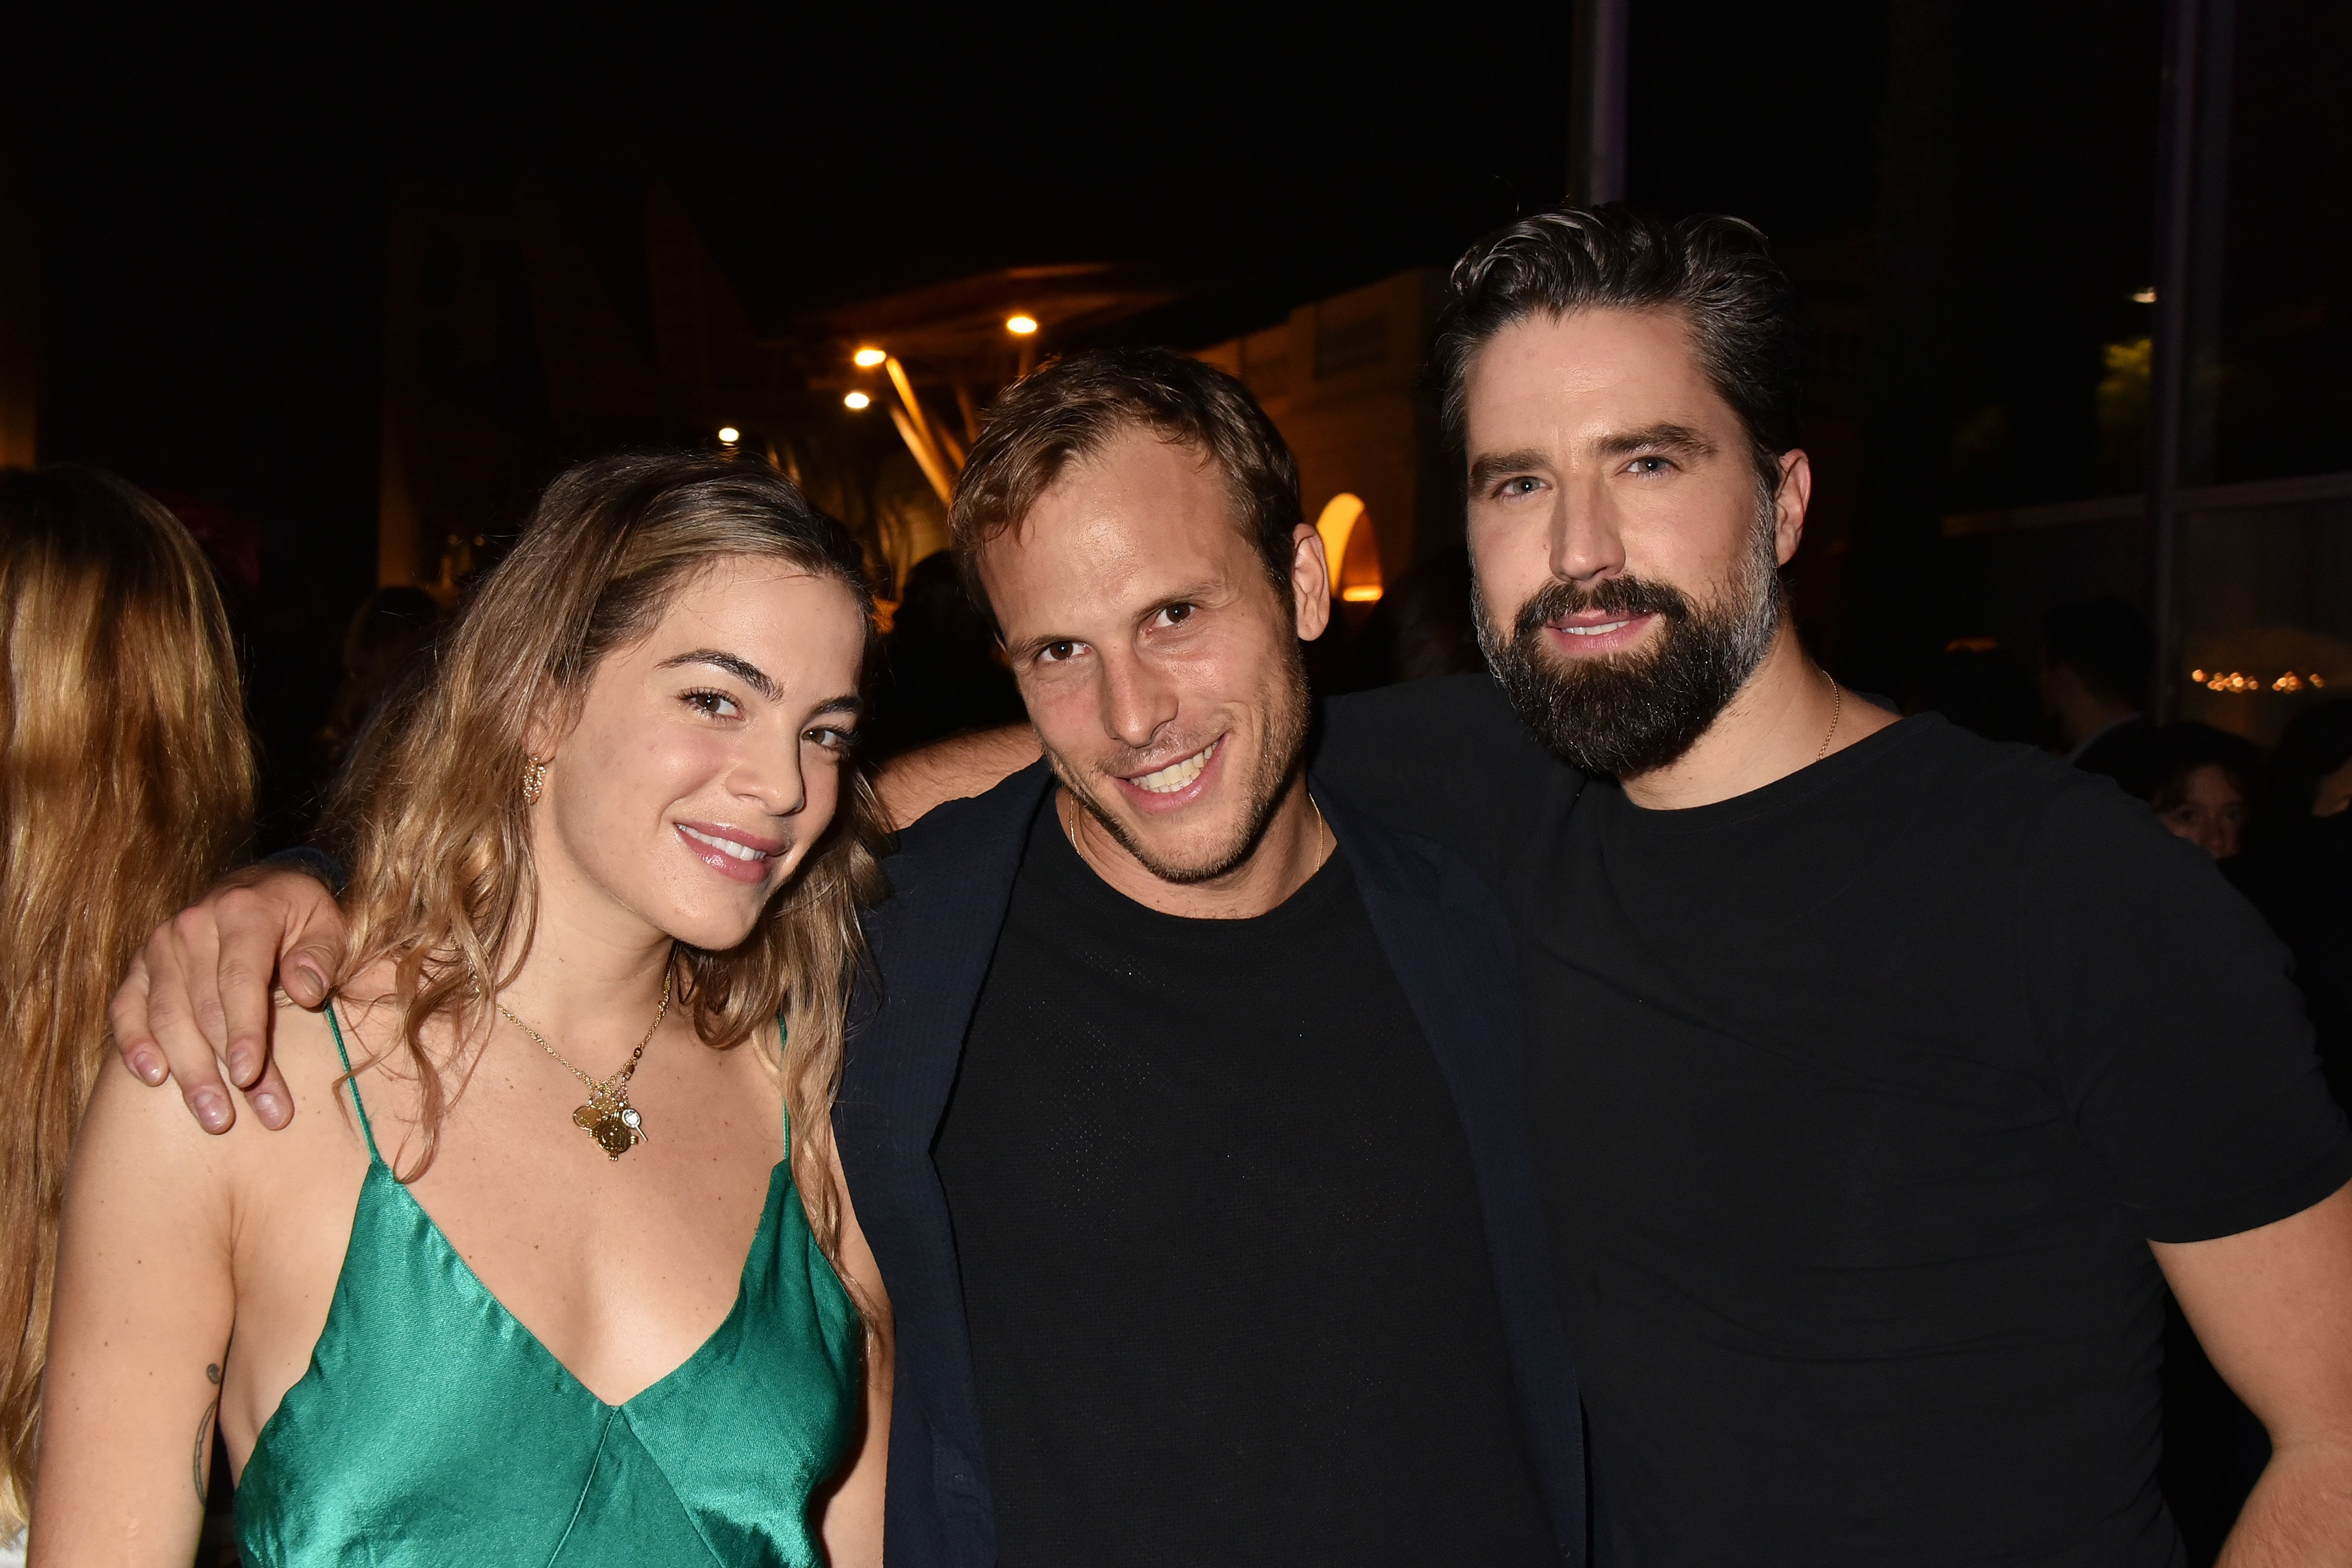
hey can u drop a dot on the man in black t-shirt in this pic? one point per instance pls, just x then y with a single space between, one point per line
1882 1076
1188 1128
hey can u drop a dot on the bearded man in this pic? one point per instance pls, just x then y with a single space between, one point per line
1882 1076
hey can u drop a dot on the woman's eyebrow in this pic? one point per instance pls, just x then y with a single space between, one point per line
742 669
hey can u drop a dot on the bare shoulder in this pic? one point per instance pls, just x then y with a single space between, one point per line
147 1135
144 1138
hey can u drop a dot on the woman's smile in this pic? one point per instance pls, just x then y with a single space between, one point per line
732 852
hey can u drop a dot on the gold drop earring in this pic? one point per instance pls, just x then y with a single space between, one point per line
534 780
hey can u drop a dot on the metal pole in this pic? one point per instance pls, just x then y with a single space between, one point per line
2175 211
1596 101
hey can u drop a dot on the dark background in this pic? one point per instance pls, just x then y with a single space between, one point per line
1963 194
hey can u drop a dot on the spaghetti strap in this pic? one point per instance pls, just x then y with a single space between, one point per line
351 1083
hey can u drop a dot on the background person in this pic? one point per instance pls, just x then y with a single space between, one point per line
388 633
2096 657
506 1310
942 672
1982 687
126 782
2196 778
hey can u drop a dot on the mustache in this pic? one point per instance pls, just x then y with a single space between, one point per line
1611 596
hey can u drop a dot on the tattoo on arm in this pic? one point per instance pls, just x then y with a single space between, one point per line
204 1431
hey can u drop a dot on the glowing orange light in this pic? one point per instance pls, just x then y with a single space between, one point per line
1368 595
1021 326
2197 676
855 400
867 358
728 434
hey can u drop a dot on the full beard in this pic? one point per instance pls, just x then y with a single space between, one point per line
1622 717
1289 709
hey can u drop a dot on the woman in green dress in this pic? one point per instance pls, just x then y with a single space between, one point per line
556 1265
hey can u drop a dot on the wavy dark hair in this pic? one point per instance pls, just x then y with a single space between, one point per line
1716 273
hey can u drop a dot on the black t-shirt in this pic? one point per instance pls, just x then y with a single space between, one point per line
1222 1260
1856 1101
2299 875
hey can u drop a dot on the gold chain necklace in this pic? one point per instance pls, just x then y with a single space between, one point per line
608 1117
1837 711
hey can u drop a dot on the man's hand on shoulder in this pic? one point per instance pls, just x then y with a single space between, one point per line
197 996
956 769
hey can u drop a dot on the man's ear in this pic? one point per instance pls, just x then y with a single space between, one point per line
1789 501
1310 582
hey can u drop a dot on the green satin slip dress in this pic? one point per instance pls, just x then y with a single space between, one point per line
432 1427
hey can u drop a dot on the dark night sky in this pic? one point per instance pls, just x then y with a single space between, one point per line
212 195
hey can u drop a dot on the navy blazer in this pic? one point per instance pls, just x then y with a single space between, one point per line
1446 937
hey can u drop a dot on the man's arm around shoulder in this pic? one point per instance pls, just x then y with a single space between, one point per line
954 769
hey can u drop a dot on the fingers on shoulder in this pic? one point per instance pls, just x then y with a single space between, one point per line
138 1134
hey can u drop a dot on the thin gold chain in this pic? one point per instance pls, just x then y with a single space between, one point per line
626 1072
1837 711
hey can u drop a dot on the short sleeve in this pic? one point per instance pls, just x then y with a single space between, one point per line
2164 1004
1445 758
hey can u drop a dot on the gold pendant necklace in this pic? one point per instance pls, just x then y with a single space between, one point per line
608 1117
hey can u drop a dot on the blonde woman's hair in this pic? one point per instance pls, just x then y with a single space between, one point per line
432 815
126 784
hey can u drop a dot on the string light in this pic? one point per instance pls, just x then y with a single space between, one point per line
867 358
855 400
728 434
2239 683
1021 326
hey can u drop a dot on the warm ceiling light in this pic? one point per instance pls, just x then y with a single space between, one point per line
1021 326
2144 297
728 434
857 400
867 358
